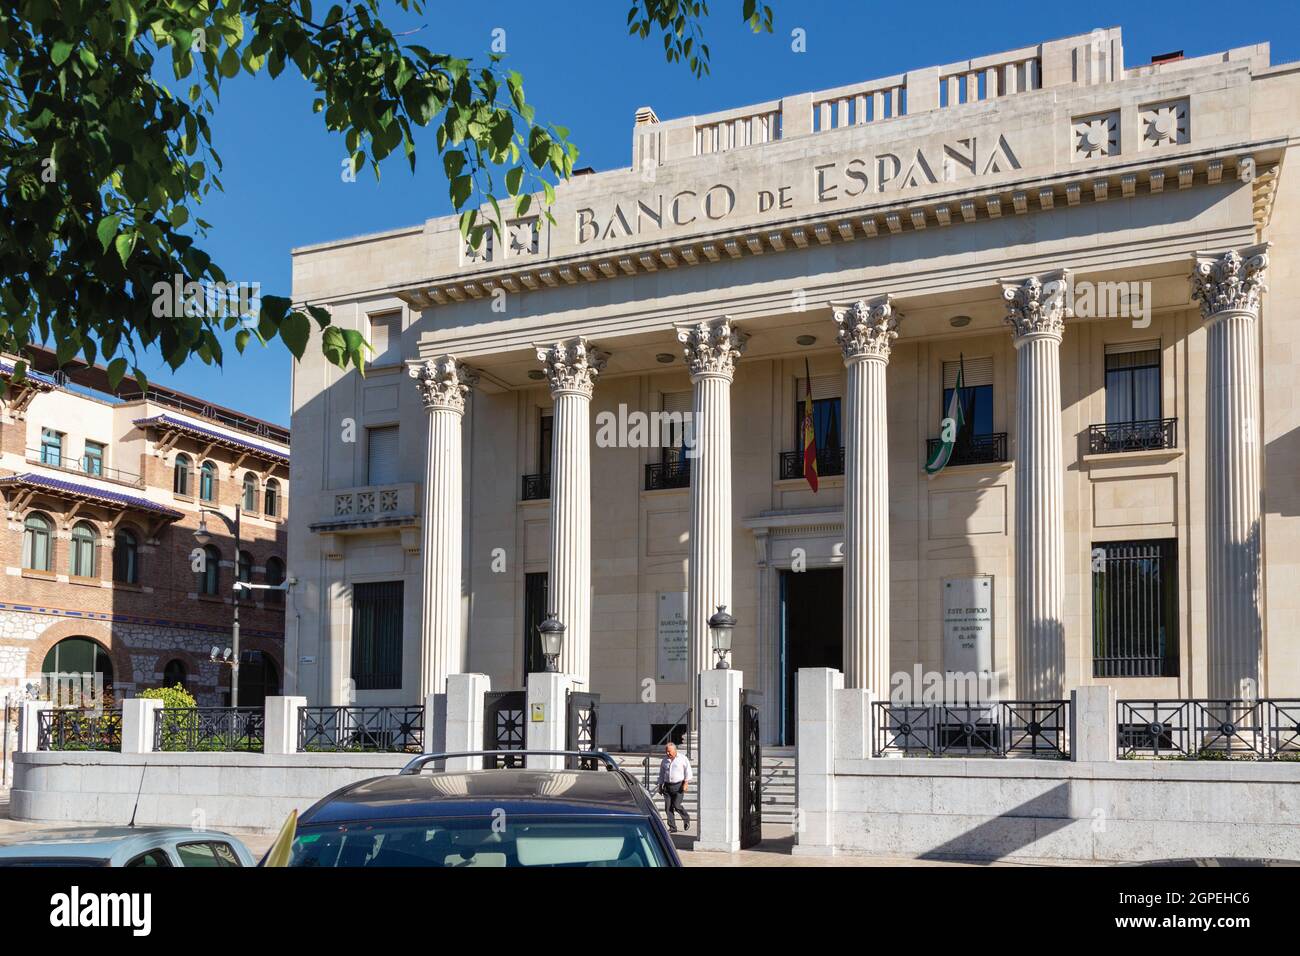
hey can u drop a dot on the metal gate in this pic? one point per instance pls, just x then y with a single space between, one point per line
584 718
504 727
751 775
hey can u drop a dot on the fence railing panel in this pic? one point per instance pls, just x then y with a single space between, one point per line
209 729
1012 728
77 729
1227 729
355 729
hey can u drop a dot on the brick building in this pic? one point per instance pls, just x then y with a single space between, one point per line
103 490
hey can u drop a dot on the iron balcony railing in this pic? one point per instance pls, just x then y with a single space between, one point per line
972 449
353 729
536 487
830 461
1150 435
675 473
1009 728
209 729
78 729
1264 729
94 467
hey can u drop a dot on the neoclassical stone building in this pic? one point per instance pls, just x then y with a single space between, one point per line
1103 257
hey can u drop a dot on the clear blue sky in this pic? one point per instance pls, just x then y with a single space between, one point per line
583 71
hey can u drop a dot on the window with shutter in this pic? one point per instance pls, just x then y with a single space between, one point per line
381 455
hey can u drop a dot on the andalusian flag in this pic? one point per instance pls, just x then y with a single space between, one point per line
809 434
951 425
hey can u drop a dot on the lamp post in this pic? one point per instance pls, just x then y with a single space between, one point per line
721 624
551 631
202 536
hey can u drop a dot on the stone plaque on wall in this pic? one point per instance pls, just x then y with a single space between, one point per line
673 645
968 624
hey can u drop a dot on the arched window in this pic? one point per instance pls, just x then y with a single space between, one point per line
245 567
181 475
208 481
272 506
79 655
126 550
38 539
84 549
274 576
174 673
250 492
210 575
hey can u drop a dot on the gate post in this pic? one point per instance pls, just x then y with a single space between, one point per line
816 691
719 777
547 717
465 717
435 723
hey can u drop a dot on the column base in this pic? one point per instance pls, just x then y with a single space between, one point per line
700 846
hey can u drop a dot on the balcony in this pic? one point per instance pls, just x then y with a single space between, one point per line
668 474
973 449
83 466
536 487
1152 435
830 461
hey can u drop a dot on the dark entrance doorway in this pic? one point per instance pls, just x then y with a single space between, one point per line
812 612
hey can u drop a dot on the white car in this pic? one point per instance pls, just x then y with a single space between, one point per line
124 846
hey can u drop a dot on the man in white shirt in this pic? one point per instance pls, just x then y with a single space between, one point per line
674 778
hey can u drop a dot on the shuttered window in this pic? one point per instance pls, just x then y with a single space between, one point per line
381 455
977 395
1132 382
386 338
979 371
673 437
377 635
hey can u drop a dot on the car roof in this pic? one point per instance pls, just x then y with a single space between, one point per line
99 843
473 792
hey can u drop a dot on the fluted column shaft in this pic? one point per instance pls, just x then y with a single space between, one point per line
1037 312
444 385
572 367
866 331
1229 287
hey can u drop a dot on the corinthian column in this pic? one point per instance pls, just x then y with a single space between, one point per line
866 330
1229 287
1036 311
571 367
712 349
444 384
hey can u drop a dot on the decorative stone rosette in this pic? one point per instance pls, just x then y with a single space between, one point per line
1038 304
1231 281
712 347
444 383
572 365
866 328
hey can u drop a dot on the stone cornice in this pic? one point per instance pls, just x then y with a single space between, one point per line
1231 281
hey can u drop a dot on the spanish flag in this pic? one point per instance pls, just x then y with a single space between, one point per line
809 434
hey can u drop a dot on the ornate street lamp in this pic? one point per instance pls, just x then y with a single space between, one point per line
721 625
551 632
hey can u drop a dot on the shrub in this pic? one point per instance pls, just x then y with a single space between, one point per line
171 697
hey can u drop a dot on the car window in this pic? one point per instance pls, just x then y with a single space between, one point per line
196 854
225 854
152 858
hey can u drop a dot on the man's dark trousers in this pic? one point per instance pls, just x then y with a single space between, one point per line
673 801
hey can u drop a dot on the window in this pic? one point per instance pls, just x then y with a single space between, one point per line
245 567
81 553
381 455
79 655
174 673
377 636
1135 609
181 475
545 431
272 498
206 854
51 447
92 462
154 858
126 568
386 338
250 492
977 395
208 481
1132 383
274 576
535 585
210 574
38 539
678 407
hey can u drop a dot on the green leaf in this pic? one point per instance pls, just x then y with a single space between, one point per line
60 52
295 330
106 230
514 178
124 243
115 371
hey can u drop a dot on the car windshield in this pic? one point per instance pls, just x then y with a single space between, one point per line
495 841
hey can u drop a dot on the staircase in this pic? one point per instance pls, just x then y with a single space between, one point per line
778 782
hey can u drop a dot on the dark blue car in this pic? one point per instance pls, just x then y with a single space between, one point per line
490 817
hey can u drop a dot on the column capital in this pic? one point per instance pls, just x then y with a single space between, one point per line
572 365
1038 304
1231 281
866 328
444 383
712 346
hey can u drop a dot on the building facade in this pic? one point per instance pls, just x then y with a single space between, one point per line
103 492
1100 256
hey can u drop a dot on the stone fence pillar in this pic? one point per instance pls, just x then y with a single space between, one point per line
1092 723
815 759
138 717
465 717
546 717
719 779
29 725
435 723
281 733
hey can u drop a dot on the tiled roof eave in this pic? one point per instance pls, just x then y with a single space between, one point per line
104 498
211 435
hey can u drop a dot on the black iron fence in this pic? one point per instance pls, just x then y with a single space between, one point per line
1009 728
972 449
209 729
78 729
357 729
830 461
536 487
1133 436
668 474
1263 729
